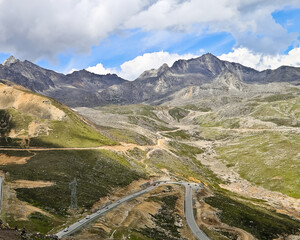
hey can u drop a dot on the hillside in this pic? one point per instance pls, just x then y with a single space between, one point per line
244 149
44 146
211 124
31 120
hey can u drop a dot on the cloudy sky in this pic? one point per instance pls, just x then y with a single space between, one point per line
129 36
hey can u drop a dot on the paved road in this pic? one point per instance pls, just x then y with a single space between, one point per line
82 222
188 212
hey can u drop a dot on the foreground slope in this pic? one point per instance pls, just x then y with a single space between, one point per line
29 119
36 181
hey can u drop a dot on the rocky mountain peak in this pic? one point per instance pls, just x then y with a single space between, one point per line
163 69
10 61
207 64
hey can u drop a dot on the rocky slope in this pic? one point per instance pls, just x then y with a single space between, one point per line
80 88
207 75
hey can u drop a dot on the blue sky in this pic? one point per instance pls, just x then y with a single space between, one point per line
128 37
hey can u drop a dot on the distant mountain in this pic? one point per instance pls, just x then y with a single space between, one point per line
81 88
207 74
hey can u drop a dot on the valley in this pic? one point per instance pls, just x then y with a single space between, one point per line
236 138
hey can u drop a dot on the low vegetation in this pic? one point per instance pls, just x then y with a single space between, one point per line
148 123
122 135
273 158
178 113
165 227
263 224
178 135
97 174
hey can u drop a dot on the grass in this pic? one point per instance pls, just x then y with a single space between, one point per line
195 107
283 111
125 135
217 235
273 158
211 134
97 173
133 110
182 149
214 120
185 165
178 113
148 123
277 97
69 132
73 132
178 135
262 223
37 222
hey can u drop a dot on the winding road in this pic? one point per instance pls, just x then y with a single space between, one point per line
188 211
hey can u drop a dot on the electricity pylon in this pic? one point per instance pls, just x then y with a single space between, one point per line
73 186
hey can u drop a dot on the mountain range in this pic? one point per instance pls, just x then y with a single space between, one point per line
230 127
205 75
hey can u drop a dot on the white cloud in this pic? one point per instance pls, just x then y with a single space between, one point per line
130 70
133 68
35 29
249 21
262 61
99 69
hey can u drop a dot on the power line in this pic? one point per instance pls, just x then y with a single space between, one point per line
73 187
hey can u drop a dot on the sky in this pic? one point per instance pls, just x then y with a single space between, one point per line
127 37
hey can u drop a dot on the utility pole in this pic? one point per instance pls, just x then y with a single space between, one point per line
73 186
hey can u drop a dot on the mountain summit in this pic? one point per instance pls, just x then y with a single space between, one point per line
80 88
207 73
10 61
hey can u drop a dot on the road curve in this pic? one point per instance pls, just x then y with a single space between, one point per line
189 213
188 209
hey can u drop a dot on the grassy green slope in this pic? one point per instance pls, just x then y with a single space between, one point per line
23 111
97 173
273 158
72 132
260 222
